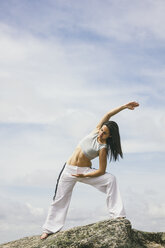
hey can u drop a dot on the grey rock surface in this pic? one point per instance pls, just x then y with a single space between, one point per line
117 233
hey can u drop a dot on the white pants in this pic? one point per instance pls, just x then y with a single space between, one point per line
58 210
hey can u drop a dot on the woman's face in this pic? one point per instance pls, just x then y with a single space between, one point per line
103 132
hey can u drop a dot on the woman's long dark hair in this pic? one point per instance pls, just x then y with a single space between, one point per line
113 143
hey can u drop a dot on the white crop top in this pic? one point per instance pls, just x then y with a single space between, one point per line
90 146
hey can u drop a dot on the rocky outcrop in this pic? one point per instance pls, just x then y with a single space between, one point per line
116 233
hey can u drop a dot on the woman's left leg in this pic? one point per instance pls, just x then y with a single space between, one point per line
107 184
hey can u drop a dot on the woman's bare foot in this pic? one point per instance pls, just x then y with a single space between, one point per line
44 235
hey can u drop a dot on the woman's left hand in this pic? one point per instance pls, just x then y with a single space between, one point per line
132 105
78 175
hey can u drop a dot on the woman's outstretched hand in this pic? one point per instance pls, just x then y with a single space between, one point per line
132 105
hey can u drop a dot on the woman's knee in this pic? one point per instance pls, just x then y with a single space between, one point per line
112 178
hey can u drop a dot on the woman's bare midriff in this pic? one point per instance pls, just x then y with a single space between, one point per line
79 159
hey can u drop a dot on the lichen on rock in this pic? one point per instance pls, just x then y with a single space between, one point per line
114 233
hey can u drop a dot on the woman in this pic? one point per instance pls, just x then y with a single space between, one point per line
103 141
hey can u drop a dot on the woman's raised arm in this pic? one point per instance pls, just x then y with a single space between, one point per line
107 116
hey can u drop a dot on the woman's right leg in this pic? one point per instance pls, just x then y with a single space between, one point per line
59 207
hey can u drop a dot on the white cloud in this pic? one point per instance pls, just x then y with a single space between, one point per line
15 212
126 21
145 210
157 210
35 211
36 178
29 216
56 85
38 78
142 210
26 217
36 151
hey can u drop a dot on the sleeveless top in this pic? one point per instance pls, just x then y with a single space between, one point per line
90 146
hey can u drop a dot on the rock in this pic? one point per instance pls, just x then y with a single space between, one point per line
116 233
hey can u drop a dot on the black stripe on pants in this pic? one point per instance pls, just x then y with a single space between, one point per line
58 181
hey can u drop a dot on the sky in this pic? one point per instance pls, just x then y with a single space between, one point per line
63 65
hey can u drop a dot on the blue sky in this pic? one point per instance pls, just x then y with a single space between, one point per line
63 65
